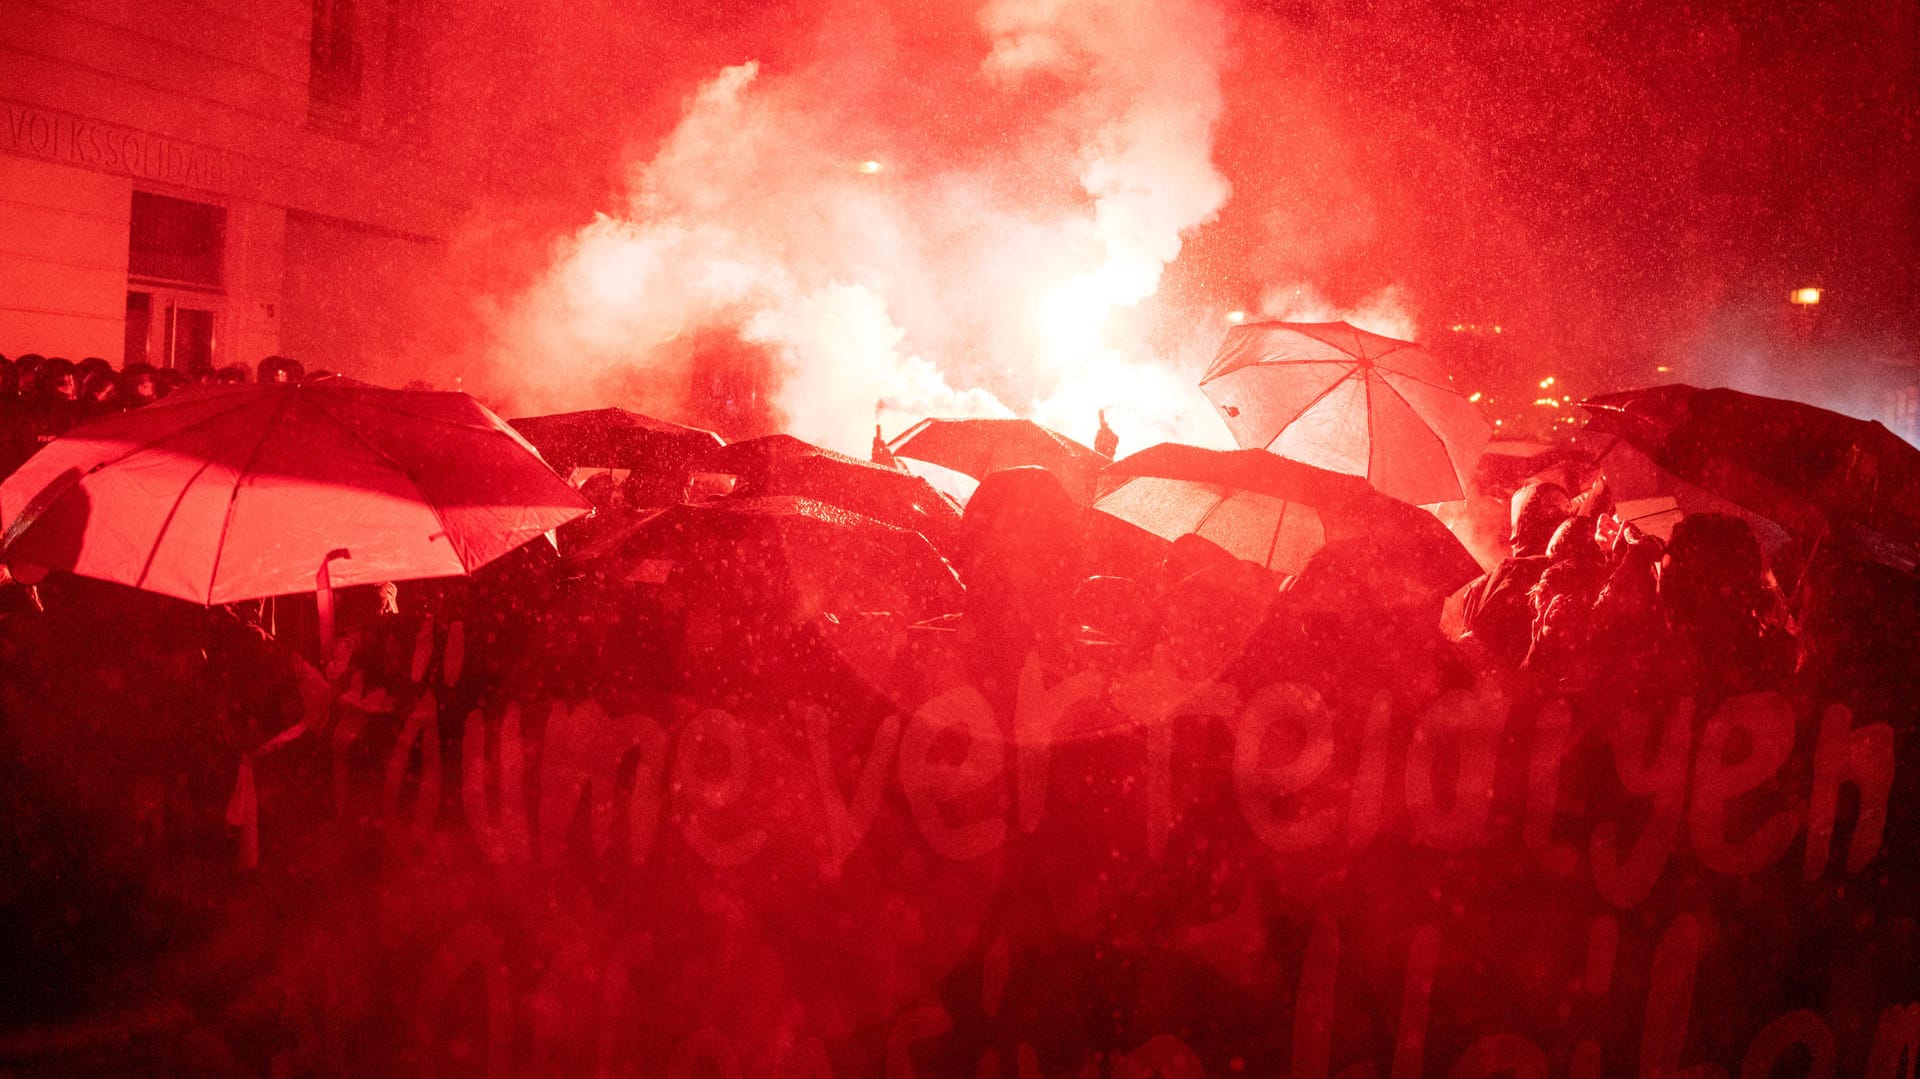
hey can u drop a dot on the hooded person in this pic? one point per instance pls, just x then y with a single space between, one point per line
16 434
54 405
139 385
1562 600
1498 611
281 369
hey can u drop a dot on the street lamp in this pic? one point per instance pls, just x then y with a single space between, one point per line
1805 297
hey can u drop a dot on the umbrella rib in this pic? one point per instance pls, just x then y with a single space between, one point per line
394 463
1458 479
1401 372
1226 494
233 499
1279 524
1309 407
170 435
1366 411
900 439
154 551
1300 329
1376 358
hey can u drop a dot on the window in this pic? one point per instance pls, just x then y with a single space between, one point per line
173 328
333 78
177 241
176 260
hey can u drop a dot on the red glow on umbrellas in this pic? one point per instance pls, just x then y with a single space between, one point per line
227 493
1344 399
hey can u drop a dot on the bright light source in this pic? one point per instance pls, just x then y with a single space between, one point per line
1499 423
871 167
1236 317
1545 382
1663 369
1457 327
1805 297
1496 328
1474 396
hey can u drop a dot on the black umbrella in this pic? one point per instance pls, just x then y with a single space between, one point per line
781 555
614 438
785 465
1811 470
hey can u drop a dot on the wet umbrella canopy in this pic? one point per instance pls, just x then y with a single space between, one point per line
614 438
1275 512
1342 398
785 465
781 554
1805 467
228 493
977 447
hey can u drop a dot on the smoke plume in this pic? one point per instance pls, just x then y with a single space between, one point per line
912 229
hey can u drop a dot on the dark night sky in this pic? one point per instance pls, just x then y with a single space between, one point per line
1606 178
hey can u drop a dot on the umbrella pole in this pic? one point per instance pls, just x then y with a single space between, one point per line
323 597
1806 570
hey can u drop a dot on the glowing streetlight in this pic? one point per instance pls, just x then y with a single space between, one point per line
1236 317
870 167
1805 297
1474 397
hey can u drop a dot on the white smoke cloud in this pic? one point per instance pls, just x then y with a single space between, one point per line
1387 312
943 282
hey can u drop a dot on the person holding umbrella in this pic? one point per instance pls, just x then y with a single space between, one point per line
1105 442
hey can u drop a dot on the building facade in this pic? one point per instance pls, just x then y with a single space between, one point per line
203 182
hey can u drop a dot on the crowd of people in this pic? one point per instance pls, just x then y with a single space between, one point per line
1581 597
41 397
148 707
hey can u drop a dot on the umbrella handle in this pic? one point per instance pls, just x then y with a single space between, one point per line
323 597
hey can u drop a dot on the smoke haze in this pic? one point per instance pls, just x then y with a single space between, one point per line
820 218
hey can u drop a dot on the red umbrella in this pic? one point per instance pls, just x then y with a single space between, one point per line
1344 399
231 492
